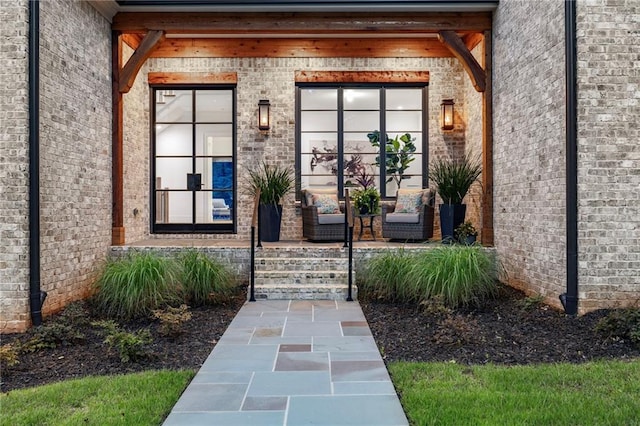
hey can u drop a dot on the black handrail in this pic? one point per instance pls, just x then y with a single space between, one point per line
254 222
349 237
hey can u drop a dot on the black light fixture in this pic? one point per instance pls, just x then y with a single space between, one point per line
264 120
446 115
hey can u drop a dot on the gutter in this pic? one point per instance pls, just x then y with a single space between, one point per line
36 295
570 298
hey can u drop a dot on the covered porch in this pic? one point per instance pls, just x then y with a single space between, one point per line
272 55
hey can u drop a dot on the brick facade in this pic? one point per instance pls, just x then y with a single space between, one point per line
273 79
75 155
14 167
529 144
608 36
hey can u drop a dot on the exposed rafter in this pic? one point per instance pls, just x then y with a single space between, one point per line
454 43
129 72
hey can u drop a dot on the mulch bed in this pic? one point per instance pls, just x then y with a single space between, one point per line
508 330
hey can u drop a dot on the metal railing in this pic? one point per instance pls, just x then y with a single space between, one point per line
254 224
348 240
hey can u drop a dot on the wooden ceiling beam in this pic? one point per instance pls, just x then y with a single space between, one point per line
299 23
471 40
362 76
135 62
192 78
132 40
301 48
455 44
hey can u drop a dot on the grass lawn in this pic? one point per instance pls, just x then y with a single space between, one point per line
599 393
133 399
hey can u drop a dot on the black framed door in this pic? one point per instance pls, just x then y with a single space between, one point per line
193 159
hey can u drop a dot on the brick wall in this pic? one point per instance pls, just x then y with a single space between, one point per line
608 153
14 167
273 79
529 138
75 72
136 159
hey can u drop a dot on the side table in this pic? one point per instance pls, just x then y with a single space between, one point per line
371 218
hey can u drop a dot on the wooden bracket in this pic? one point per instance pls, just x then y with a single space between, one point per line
149 43
454 43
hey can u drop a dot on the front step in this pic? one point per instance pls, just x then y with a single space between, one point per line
302 273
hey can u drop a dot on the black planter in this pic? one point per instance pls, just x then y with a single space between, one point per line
451 216
270 218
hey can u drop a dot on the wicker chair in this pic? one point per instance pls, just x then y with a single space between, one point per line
321 227
410 226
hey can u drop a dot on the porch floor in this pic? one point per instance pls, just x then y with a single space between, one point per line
292 362
234 243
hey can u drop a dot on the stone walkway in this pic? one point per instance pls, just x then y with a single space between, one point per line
299 362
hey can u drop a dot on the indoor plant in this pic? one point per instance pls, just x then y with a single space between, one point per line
466 233
453 178
398 154
273 181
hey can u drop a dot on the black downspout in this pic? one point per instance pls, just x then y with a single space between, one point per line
570 298
36 296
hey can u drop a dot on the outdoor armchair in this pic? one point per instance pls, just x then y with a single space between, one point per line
323 217
411 217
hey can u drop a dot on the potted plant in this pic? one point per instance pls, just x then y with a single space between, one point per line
453 178
466 233
274 181
367 199
398 152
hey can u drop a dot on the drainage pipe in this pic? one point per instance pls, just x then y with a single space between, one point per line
36 295
570 298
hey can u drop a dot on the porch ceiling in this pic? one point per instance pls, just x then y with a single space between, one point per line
303 28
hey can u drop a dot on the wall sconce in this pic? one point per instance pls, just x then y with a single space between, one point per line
264 120
446 115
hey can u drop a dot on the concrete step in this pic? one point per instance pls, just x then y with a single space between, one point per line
301 264
297 292
302 278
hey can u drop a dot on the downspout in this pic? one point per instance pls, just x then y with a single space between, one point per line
570 298
36 295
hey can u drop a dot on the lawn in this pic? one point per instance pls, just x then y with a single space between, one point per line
597 393
133 399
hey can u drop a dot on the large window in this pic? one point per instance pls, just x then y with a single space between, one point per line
194 184
334 144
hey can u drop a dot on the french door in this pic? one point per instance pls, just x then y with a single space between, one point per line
193 159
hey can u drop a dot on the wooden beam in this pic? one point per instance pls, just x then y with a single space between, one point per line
299 23
471 40
132 40
135 62
487 236
192 78
301 48
362 77
117 171
455 44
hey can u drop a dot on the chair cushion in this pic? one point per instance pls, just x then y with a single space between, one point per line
330 219
409 201
326 203
403 217
308 193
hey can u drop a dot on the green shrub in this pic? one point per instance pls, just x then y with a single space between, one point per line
51 335
172 320
458 275
204 279
130 346
9 355
621 323
134 286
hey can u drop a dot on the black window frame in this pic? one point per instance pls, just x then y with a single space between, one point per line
192 228
340 132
